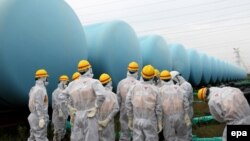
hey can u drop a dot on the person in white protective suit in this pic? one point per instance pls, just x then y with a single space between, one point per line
122 91
107 111
187 87
60 109
175 109
87 95
144 108
38 106
227 105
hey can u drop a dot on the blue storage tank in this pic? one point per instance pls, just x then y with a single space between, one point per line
180 60
235 72
231 72
206 66
225 71
154 51
111 47
221 69
36 34
243 74
239 73
195 66
218 70
214 69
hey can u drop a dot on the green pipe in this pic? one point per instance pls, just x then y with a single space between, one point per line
68 125
207 139
198 102
195 93
203 119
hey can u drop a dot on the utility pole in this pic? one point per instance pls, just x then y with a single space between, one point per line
237 56
238 61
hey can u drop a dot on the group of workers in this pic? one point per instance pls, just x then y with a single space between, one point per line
158 101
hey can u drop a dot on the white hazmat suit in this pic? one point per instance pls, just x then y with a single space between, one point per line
144 108
188 89
60 112
86 93
228 105
175 107
38 106
106 116
122 91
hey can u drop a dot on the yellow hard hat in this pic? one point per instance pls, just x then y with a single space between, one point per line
41 73
202 93
64 78
104 78
165 75
157 73
133 66
83 65
76 75
148 72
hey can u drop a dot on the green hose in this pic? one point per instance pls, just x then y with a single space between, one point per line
203 119
207 139
68 125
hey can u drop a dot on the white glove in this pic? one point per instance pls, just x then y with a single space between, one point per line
92 112
72 110
100 128
41 123
60 113
187 120
130 123
159 126
72 120
104 123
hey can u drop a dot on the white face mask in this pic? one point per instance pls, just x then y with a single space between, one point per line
89 73
135 75
109 86
45 81
64 84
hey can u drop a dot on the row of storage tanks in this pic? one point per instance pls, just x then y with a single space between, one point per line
47 34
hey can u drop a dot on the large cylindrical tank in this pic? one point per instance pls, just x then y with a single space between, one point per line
234 72
227 72
243 74
180 61
195 66
111 47
220 71
214 69
224 74
36 34
206 68
155 51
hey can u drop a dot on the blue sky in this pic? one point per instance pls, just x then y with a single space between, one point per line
211 26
